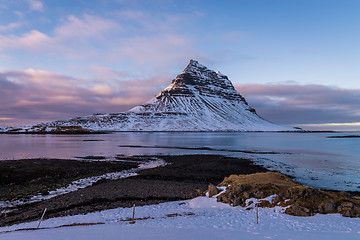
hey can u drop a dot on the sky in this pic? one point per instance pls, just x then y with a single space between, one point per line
295 61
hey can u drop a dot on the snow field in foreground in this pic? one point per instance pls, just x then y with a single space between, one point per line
199 218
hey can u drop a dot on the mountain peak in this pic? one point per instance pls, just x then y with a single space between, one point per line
198 99
194 64
197 74
197 79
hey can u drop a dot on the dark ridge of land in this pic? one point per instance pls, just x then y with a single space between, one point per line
204 148
186 176
93 140
91 157
345 136
59 132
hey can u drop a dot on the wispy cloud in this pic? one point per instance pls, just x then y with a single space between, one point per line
164 48
73 31
35 5
125 37
89 26
11 26
30 41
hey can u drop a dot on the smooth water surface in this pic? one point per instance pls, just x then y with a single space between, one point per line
314 159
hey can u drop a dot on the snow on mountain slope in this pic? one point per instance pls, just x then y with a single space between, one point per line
198 99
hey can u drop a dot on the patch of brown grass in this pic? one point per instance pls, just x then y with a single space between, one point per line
300 200
275 178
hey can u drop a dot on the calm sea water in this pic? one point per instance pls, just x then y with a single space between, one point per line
312 158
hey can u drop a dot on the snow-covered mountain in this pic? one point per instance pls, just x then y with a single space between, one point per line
198 99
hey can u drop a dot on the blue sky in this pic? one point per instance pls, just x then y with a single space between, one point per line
295 61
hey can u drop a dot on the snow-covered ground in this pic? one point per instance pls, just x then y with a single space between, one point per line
199 218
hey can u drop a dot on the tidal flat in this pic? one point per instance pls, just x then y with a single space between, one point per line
184 177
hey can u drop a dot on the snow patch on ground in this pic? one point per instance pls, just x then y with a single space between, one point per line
199 218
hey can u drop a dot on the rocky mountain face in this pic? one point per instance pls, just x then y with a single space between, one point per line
196 81
198 99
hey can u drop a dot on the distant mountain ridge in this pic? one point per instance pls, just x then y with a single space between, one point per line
198 99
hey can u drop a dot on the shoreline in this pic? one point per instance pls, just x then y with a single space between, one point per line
185 177
95 132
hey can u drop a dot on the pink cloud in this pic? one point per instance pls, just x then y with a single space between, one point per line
142 21
300 104
138 41
137 36
88 27
70 38
33 96
10 26
35 5
32 41
102 90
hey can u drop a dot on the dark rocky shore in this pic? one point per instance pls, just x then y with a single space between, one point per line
185 177
20 179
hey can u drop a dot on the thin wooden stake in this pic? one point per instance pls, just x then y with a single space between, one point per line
133 217
257 213
41 217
